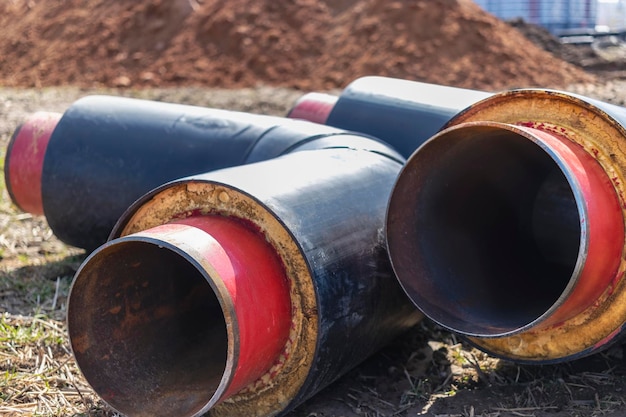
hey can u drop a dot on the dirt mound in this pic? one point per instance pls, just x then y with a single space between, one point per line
307 44
452 42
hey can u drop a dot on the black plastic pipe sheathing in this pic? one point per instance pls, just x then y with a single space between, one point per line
508 225
84 170
244 291
400 112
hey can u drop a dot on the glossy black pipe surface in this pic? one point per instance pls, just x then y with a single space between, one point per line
106 152
402 113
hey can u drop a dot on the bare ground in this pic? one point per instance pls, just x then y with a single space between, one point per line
425 372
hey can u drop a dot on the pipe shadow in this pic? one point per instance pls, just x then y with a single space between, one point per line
38 288
428 372
583 387
392 381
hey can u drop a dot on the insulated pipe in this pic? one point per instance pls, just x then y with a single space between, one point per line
314 107
402 113
156 330
27 148
203 306
105 152
508 225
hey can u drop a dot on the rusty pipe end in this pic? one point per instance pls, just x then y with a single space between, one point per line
24 159
314 107
179 317
494 229
274 391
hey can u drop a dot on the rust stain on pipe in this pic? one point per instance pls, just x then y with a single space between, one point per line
282 380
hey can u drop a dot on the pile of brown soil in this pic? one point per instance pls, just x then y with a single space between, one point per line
307 44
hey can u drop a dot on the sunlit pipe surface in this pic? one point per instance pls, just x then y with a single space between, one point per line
402 113
508 226
105 152
322 213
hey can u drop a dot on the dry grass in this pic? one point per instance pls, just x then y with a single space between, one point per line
38 375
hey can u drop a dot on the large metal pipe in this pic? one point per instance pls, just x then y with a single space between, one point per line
84 170
508 225
402 113
551 245
106 151
156 329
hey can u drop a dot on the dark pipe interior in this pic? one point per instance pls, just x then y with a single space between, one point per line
484 230
147 330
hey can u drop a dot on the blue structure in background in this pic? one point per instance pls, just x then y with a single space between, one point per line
555 15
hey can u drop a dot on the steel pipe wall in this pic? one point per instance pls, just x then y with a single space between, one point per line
322 214
508 225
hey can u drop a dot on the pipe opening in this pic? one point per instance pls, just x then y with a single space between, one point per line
484 230
147 329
